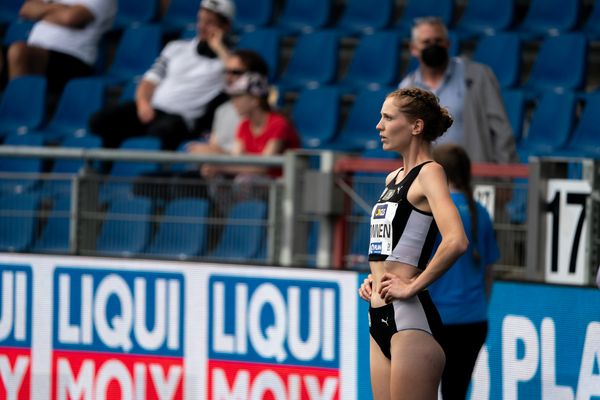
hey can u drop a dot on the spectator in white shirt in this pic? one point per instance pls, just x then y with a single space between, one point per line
176 98
63 43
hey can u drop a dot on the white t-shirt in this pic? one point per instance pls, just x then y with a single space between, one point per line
225 124
186 81
79 43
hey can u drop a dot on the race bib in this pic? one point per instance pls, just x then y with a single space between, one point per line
381 228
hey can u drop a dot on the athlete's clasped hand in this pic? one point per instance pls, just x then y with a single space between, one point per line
365 289
393 287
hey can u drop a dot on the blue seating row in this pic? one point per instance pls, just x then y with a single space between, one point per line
317 114
502 52
552 128
140 45
482 17
182 231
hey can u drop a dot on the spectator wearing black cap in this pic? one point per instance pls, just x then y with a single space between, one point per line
177 96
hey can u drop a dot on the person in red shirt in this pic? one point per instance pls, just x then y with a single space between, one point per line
260 132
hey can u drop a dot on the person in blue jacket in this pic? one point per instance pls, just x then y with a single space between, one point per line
462 293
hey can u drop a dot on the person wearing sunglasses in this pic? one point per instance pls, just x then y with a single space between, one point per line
261 131
226 119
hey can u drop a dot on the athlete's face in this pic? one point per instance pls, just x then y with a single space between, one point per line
395 130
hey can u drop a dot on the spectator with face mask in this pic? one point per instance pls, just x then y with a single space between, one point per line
468 89
177 96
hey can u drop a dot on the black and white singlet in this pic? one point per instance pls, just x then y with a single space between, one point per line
399 231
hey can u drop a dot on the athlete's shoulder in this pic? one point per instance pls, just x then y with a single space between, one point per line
431 168
432 174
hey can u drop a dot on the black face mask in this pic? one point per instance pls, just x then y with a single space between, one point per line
204 49
434 56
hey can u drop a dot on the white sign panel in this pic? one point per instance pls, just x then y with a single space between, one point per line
566 231
81 327
486 195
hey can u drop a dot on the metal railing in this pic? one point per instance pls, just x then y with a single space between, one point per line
316 214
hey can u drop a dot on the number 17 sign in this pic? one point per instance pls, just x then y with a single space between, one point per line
566 231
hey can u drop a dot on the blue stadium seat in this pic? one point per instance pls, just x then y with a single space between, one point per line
551 124
515 102
365 17
251 15
9 10
265 42
302 70
366 73
79 100
22 106
304 16
188 33
180 15
135 12
17 165
549 18
136 51
126 227
17 31
55 234
142 143
17 221
125 168
128 91
121 187
591 27
561 64
65 168
316 113
243 235
359 133
182 230
585 140
502 53
485 17
444 9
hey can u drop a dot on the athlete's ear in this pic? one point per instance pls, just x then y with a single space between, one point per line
418 127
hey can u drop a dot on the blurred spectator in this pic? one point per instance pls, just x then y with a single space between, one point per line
63 43
462 293
468 89
226 118
177 96
261 131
